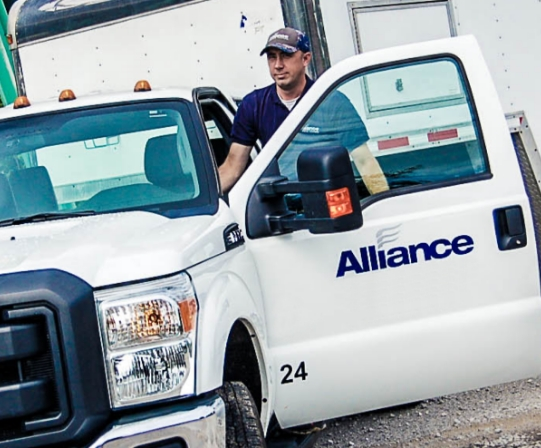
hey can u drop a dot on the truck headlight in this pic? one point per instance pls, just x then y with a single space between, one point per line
148 335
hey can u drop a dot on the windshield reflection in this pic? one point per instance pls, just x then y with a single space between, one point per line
132 157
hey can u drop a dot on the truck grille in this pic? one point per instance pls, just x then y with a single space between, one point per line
52 382
32 390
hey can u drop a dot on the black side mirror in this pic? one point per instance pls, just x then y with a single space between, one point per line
328 197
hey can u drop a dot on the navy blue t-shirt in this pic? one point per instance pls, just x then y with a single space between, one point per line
260 113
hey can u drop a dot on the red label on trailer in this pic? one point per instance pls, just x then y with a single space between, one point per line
442 135
393 143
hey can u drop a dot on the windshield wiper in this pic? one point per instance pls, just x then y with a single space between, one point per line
45 217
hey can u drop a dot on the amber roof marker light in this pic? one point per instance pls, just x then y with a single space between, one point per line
142 86
21 102
66 95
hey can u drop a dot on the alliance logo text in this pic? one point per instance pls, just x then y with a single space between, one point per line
370 259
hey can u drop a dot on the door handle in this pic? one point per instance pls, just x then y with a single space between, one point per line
510 228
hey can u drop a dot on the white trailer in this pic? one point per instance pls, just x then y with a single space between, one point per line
507 32
217 42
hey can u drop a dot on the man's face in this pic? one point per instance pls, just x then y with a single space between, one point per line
287 69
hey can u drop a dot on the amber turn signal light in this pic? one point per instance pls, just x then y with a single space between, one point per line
339 202
20 102
142 86
188 314
66 95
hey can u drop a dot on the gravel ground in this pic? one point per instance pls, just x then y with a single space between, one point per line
502 416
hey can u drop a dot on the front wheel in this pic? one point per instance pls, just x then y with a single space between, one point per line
243 427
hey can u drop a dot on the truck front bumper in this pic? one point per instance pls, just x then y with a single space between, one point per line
201 424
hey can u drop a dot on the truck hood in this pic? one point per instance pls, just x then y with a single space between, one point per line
113 248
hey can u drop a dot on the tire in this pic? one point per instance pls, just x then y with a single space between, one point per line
243 426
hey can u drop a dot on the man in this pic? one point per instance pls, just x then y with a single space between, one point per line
263 111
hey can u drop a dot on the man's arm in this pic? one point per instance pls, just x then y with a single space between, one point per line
370 169
234 165
352 131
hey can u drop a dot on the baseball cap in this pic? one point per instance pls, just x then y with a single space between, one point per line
289 40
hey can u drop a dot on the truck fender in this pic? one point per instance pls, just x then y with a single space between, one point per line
227 306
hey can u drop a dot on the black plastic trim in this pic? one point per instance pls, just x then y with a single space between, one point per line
63 305
54 342
19 341
23 399
510 228
208 93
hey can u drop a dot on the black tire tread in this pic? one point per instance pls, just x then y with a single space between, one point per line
243 426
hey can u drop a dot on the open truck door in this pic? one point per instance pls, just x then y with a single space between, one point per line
438 290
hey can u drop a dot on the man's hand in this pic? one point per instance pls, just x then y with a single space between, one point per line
370 169
234 165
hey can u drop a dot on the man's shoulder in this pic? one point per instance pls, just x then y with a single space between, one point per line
258 95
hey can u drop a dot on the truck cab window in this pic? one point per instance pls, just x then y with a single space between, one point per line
130 157
416 119
218 123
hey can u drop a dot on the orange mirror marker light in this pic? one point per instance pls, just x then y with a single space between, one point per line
20 102
339 202
66 95
142 86
9 38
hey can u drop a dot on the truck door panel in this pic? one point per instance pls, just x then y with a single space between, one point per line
420 301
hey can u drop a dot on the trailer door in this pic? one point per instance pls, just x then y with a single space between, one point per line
387 24
438 292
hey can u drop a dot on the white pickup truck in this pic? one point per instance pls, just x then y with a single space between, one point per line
138 302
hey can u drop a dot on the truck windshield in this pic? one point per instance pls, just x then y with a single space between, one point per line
131 157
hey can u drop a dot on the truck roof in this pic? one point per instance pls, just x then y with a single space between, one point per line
94 100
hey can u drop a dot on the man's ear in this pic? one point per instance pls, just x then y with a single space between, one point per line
306 58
